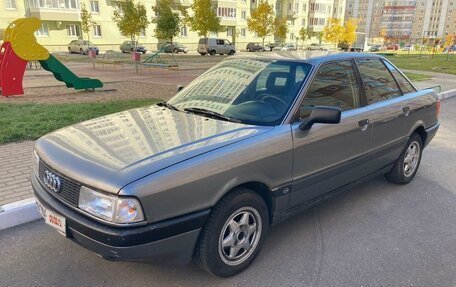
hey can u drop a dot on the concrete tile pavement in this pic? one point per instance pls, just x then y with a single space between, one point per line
16 163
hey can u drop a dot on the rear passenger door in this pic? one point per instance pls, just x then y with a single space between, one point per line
391 105
327 157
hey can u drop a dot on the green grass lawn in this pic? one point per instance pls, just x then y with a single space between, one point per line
417 77
30 121
437 63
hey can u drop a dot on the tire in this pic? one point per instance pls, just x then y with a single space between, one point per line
203 54
240 206
131 51
176 51
69 50
407 164
231 53
212 53
81 51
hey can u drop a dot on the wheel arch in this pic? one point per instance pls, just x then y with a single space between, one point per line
418 128
261 189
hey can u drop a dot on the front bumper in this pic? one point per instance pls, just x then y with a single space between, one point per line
167 242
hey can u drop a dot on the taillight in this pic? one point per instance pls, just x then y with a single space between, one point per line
438 107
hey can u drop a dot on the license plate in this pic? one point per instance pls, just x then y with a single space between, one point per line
51 218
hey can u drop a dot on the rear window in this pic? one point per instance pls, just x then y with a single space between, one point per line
202 41
379 84
404 84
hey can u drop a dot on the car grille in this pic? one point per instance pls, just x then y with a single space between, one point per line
69 189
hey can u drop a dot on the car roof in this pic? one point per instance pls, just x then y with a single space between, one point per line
311 57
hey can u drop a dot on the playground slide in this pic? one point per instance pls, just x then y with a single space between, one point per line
21 46
63 74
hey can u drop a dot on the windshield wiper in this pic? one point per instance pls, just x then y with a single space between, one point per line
213 114
167 105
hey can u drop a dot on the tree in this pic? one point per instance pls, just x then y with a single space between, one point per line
303 35
86 22
333 32
261 21
383 34
167 20
349 31
280 28
131 19
204 19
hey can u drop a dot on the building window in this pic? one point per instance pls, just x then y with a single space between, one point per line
142 33
229 32
10 4
290 6
224 12
243 15
96 30
184 31
73 30
94 8
43 31
243 32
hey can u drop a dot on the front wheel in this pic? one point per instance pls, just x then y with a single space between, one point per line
407 164
234 233
231 52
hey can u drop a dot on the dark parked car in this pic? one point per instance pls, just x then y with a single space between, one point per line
250 142
130 47
175 48
272 45
254 47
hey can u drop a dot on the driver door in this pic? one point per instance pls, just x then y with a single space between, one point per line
328 156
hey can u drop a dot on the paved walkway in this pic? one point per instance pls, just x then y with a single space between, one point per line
446 81
16 163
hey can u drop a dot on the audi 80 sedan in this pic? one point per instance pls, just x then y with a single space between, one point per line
248 143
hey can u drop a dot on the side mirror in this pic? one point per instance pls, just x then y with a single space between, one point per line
323 115
179 88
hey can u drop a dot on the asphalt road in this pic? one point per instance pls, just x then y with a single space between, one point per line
377 234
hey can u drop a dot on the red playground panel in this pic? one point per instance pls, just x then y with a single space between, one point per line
12 69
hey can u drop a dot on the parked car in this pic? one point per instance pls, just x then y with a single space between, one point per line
408 48
375 48
175 48
254 47
393 47
214 46
289 47
315 46
272 45
247 144
82 47
132 46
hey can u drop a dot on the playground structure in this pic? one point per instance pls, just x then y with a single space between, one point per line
19 47
156 60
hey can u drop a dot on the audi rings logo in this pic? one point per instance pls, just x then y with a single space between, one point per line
52 181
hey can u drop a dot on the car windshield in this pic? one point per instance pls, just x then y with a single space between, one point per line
251 91
86 43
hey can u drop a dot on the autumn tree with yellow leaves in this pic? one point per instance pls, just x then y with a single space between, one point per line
335 32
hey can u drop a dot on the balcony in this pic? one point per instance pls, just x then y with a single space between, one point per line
47 14
54 10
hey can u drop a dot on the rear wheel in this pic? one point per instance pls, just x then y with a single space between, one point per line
69 50
407 164
176 51
212 53
81 51
203 54
233 234
231 53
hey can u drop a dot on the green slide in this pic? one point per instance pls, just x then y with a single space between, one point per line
63 74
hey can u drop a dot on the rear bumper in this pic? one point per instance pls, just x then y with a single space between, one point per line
167 242
430 133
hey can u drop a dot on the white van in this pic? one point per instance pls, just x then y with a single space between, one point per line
215 46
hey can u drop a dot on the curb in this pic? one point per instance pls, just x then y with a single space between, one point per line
19 212
447 94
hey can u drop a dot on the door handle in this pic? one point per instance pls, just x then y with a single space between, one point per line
406 111
363 124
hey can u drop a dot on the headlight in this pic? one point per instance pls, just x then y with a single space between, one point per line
110 207
36 163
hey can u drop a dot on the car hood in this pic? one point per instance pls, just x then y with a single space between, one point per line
110 152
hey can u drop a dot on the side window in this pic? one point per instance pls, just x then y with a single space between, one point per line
219 42
404 84
227 42
334 85
378 81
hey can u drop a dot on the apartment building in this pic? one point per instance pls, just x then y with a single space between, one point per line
413 21
61 20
